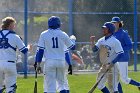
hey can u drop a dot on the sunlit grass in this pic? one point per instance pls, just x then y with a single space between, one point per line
78 83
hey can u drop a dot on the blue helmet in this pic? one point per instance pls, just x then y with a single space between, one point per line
54 22
110 26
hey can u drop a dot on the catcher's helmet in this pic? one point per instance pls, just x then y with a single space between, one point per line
110 26
54 22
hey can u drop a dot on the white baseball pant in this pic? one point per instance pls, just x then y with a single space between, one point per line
8 75
54 71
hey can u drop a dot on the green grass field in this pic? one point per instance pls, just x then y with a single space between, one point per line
78 83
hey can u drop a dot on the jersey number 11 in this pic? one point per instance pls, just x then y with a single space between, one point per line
55 42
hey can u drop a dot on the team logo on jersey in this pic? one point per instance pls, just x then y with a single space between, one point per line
108 47
3 42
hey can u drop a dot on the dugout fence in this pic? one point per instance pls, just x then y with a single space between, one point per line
82 18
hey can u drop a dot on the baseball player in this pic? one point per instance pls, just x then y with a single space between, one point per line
51 44
68 61
126 44
9 42
114 53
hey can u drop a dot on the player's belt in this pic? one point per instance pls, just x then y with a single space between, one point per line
12 61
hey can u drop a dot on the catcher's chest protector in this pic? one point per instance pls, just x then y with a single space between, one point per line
4 41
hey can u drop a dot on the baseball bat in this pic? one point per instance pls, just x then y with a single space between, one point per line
96 84
35 86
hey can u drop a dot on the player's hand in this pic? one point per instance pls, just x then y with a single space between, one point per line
39 70
37 67
70 70
110 65
92 39
30 46
72 37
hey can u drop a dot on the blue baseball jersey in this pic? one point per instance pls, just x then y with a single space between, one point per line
126 43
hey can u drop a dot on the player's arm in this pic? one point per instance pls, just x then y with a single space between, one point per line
67 58
73 39
95 48
117 57
69 41
39 53
21 46
119 51
40 50
128 42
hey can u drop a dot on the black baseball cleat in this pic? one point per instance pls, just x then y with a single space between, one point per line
116 92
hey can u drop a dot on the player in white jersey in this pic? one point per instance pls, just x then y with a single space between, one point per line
51 44
9 42
114 53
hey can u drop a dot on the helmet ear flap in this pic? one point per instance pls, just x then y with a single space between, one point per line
110 26
54 22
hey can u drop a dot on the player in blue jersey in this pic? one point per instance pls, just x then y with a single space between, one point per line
123 37
9 43
52 44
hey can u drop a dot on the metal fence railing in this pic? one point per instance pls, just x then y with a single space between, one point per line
79 17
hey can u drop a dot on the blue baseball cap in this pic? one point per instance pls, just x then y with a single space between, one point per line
110 26
116 19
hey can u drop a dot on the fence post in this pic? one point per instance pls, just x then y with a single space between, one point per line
135 35
25 35
70 8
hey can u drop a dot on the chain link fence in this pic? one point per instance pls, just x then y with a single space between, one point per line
88 16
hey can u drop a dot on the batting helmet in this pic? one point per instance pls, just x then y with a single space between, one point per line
54 22
110 26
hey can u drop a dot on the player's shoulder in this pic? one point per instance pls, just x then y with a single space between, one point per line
44 33
14 34
64 33
124 31
15 37
114 39
61 33
101 39
125 34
